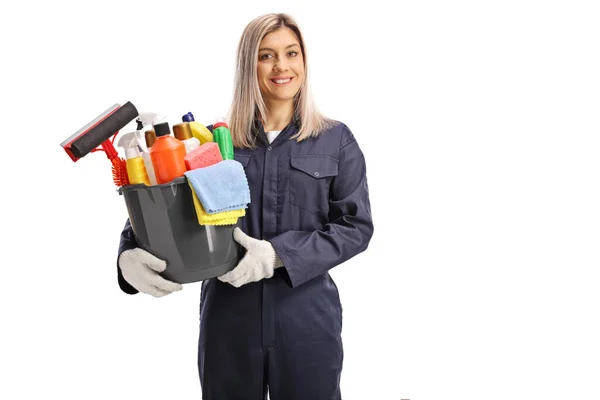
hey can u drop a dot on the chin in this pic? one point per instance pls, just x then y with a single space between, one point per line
284 98
290 95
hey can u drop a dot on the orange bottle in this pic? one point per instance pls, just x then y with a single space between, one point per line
167 155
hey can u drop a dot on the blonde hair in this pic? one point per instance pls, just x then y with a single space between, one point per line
248 103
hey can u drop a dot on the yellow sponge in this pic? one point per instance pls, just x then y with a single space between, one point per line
222 218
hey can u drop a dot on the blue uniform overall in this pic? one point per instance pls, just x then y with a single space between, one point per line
310 200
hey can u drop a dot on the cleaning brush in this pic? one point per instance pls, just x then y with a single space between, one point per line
119 165
98 132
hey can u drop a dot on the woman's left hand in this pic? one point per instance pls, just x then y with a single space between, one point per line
259 262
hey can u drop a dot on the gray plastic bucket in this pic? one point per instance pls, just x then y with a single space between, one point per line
165 224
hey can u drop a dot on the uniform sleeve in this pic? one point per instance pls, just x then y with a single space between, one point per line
127 242
307 255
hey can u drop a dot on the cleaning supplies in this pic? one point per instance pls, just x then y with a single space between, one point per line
167 154
203 156
148 119
222 136
165 224
150 138
149 167
143 140
220 187
136 168
199 131
98 132
183 132
220 218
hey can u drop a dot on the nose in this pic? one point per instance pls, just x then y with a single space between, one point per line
280 65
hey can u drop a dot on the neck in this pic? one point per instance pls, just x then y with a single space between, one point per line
279 115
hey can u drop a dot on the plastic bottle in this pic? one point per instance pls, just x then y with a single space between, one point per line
222 136
149 167
199 131
167 155
183 132
150 136
136 168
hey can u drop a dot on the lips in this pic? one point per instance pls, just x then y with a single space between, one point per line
281 80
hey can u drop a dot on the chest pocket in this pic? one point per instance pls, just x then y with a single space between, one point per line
310 177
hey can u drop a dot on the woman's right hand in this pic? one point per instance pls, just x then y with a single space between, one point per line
140 269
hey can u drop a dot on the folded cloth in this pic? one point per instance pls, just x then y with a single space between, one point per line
222 218
220 187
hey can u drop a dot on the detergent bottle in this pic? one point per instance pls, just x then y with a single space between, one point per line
149 167
167 154
199 131
136 168
150 138
144 151
222 136
183 132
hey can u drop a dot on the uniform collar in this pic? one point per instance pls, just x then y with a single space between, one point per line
261 136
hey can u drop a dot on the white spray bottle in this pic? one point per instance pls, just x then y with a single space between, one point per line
147 119
136 168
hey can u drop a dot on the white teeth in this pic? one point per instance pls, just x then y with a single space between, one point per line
281 80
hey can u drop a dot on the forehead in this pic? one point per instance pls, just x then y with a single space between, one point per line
281 37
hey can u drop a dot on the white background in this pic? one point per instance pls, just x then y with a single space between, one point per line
479 123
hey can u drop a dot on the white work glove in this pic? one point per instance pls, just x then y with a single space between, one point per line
259 262
140 269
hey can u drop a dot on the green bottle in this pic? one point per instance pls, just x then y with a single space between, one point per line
222 136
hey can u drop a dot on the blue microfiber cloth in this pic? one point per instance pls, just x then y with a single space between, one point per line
220 187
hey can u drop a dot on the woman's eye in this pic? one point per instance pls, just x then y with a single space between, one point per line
264 56
293 53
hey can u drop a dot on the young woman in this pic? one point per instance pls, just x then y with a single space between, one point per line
274 322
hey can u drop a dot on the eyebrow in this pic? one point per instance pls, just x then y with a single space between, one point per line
268 48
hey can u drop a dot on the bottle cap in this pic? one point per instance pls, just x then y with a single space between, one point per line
183 131
218 124
162 129
150 138
189 117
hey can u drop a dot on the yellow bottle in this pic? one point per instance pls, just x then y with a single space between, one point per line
136 167
199 131
136 171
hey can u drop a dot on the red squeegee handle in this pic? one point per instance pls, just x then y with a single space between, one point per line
108 147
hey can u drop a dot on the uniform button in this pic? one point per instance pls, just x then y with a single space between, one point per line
270 148
316 174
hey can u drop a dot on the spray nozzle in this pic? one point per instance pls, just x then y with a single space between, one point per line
131 142
147 118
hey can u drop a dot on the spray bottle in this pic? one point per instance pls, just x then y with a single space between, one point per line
148 119
136 169
199 131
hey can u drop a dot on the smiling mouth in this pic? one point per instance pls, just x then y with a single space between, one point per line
281 82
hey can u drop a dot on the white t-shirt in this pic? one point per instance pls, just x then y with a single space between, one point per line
271 135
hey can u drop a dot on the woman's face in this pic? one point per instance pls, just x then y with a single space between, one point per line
280 65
